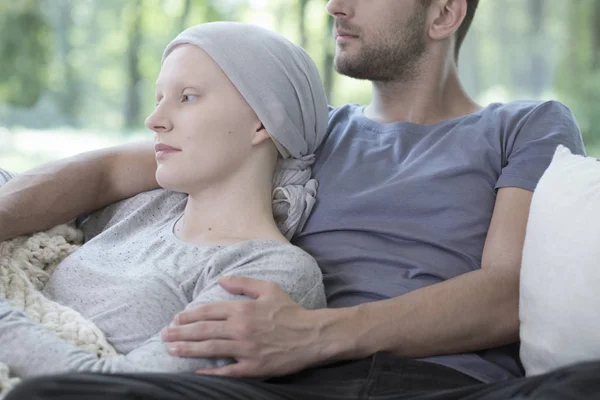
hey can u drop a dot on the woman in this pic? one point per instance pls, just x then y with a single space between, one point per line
239 111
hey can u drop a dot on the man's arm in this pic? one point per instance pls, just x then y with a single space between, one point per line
474 311
62 190
274 336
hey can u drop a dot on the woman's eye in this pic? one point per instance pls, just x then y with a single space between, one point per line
188 97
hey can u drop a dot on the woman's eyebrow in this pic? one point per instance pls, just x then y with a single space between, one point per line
191 87
178 86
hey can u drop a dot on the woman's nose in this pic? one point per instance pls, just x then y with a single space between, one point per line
158 121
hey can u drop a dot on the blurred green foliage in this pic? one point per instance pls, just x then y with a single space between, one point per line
91 64
25 51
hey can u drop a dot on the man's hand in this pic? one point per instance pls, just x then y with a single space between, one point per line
268 336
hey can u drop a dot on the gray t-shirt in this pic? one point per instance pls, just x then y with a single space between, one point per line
132 276
402 206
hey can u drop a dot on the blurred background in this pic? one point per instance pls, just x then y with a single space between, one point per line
79 74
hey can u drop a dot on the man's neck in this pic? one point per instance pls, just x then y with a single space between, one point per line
434 95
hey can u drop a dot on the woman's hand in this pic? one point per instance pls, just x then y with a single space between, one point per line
267 336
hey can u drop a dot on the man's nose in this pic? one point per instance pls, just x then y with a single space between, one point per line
338 8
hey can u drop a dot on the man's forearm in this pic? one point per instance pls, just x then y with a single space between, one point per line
62 190
474 311
47 196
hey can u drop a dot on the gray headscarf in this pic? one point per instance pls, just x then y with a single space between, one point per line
281 83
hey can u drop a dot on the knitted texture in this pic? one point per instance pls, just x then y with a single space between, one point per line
26 264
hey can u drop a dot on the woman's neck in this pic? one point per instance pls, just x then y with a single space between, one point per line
228 213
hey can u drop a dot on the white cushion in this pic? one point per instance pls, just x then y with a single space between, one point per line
560 274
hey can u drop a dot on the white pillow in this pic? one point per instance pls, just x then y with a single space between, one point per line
560 273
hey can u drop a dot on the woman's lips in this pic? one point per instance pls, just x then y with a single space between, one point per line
162 150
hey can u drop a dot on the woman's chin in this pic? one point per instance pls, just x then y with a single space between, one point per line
169 183
174 188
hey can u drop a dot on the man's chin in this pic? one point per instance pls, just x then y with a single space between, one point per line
352 71
343 65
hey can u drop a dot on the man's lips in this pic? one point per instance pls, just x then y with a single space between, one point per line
340 36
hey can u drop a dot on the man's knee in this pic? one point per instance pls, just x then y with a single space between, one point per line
92 386
34 388
579 381
76 386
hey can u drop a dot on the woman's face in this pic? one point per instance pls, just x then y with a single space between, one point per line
205 130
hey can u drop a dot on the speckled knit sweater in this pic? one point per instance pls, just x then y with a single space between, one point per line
132 276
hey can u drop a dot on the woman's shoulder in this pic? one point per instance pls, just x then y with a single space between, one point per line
293 269
269 249
267 255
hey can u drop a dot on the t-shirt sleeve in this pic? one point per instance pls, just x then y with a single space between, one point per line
291 268
529 151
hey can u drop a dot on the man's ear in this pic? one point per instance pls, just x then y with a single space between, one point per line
449 14
260 135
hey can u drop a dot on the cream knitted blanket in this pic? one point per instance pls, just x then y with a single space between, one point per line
26 264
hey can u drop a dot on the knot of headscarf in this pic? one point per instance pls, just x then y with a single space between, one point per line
282 84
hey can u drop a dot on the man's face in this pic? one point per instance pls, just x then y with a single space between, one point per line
378 40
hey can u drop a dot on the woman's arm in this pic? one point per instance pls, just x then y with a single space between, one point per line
62 190
29 349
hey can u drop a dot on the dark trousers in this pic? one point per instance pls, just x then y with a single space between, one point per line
381 377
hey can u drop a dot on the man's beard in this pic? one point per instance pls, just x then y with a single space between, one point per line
394 57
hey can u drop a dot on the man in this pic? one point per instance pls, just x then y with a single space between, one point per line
419 229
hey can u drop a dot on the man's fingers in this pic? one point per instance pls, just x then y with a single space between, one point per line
205 312
253 288
235 370
196 331
207 349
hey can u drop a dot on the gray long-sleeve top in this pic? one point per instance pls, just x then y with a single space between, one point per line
133 276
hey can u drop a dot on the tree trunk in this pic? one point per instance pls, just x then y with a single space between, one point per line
302 25
182 24
280 10
132 102
596 35
329 48
537 76
68 98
